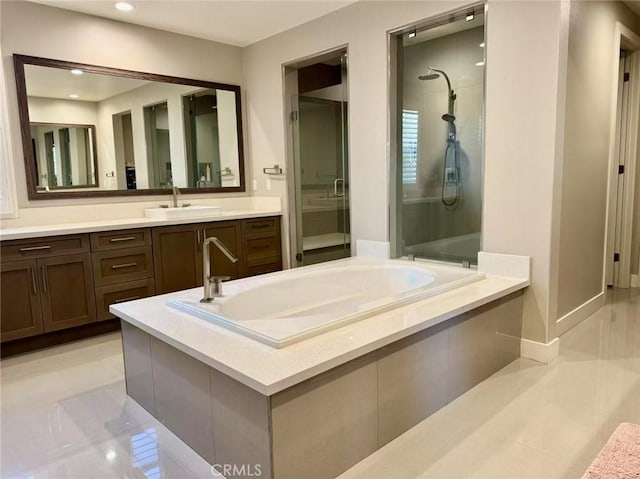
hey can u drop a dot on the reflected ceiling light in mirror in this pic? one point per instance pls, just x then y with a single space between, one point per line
124 6
73 95
480 64
76 71
482 45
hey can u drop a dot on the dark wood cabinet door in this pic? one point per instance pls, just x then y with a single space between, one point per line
230 235
20 314
176 258
67 291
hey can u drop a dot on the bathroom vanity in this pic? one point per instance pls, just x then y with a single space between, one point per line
316 407
58 287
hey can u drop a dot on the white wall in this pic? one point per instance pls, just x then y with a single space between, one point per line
227 128
134 101
586 154
33 29
71 112
8 199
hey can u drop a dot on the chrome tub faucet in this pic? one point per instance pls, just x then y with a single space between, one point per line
213 284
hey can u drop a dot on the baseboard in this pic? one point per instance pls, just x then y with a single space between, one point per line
635 280
579 314
541 352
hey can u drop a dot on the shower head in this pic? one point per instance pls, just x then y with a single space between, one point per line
429 76
432 74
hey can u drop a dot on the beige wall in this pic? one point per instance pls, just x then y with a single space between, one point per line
635 241
523 68
368 104
33 29
525 94
586 151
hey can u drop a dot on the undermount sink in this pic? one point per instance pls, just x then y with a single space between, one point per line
191 211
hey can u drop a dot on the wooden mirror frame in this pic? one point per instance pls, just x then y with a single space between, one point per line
19 62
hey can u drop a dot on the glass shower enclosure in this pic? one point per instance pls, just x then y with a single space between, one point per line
320 160
439 144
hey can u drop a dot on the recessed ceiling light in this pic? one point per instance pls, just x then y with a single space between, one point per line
412 34
110 455
482 45
480 64
76 71
469 17
73 95
124 6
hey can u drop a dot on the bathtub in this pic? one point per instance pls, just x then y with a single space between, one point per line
283 308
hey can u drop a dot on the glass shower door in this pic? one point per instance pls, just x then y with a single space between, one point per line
320 138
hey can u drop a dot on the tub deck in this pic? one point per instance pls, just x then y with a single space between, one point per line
268 370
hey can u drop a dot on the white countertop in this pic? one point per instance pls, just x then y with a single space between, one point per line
125 223
269 370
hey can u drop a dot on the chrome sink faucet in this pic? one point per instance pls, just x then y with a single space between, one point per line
176 193
213 284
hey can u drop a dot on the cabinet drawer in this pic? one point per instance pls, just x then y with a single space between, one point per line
119 293
261 225
120 239
256 248
44 247
118 266
264 265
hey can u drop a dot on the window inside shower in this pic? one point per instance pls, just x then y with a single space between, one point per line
439 140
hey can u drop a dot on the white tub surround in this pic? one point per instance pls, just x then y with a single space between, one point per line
269 370
508 265
64 220
373 249
287 308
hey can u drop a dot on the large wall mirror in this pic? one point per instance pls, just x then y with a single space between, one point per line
96 131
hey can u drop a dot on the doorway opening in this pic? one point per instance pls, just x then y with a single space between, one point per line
316 96
622 257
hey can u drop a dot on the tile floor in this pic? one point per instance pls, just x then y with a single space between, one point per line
64 414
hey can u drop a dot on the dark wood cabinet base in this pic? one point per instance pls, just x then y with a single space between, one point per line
26 345
58 289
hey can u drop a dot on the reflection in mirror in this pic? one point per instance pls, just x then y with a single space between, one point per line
209 122
123 146
151 132
64 155
156 127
